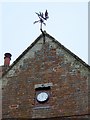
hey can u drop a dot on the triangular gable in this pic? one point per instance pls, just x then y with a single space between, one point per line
53 40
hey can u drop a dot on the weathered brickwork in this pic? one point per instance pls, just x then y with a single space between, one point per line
48 64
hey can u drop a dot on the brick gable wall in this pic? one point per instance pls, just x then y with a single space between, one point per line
46 64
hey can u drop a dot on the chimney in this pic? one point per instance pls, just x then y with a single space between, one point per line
7 59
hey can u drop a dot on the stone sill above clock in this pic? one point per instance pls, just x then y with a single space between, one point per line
45 85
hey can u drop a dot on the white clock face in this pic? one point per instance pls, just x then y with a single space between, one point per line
42 97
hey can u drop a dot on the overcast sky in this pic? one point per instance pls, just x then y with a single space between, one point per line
67 23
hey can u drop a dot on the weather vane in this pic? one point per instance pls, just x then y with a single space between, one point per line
42 18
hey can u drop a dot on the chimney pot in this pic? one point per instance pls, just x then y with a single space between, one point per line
7 59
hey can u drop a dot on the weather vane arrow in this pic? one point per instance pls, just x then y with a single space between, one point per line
42 18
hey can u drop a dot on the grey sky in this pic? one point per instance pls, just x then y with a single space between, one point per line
67 23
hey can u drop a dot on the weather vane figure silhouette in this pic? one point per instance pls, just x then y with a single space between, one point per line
42 18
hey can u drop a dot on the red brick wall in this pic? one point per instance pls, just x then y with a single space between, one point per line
51 64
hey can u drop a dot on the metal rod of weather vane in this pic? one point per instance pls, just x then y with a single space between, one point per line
43 35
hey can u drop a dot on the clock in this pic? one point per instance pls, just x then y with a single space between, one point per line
42 97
